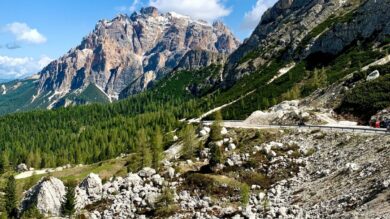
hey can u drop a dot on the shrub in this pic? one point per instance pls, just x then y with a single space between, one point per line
32 212
245 194
165 204
253 178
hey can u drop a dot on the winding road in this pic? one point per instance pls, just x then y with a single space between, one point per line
355 129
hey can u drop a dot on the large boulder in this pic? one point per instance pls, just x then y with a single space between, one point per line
89 191
147 172
22 168
373 75
47 195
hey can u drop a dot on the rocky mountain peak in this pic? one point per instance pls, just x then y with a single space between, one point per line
132 51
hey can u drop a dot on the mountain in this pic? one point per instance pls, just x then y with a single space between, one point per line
306 29
302 46
126 55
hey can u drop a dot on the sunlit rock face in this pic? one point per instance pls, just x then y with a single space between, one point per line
134 51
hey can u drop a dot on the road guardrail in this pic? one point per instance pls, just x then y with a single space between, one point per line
341 128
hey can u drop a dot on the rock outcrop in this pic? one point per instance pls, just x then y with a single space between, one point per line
133 51
47 196
131 196
89 191
371 20
196 59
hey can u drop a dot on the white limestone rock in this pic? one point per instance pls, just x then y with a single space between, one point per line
47 195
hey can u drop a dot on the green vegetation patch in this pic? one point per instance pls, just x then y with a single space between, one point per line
91 94
17 94
367 98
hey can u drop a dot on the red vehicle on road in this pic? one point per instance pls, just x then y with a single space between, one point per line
380 123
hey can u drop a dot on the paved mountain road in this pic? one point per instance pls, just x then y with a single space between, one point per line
355 129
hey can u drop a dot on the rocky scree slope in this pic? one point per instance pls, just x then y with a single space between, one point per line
290 174
314 30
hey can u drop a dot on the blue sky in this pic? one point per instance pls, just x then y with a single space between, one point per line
33 32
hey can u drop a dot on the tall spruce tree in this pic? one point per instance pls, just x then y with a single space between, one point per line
4 163
11 201
216 127
157 148
216 154
144 158
190 143
68 208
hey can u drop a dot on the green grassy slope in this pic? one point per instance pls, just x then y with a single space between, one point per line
18 96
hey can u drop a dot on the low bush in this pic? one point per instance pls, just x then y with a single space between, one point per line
254 178
165 204
245 194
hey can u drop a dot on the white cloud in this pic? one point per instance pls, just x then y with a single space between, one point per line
19 67
208 10
252 17
25 33
131 8
44 61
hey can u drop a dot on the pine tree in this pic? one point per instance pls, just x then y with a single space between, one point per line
157 148
265 103
144 154
274 101
30 159
216 127
190 143
216 155
4 163
68 207
11 201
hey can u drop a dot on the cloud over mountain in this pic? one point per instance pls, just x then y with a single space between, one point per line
24 33
19 67
208 10
252 17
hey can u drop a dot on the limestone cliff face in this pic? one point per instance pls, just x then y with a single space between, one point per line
371 20
286 26
133 51
196 59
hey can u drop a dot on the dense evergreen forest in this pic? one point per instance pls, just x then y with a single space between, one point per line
91 133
